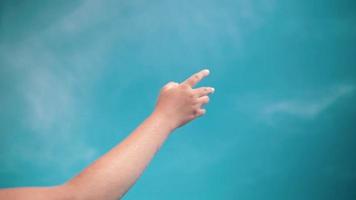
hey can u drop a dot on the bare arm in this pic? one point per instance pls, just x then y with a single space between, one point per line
112 175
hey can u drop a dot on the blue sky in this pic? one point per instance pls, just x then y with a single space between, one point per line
77 76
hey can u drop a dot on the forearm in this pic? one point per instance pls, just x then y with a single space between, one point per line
114 173
111 175
35 193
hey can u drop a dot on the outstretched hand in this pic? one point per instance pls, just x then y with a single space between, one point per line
179 103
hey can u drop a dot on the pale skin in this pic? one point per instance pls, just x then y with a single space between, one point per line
113 174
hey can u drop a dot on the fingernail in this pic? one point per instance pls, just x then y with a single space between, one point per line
206 71
212 90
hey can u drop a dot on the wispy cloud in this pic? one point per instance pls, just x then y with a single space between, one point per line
53 115
56 76
53 87
306 104
307 108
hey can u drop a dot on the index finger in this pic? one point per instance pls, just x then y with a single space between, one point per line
196 78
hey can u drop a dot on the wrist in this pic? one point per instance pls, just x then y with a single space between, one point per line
163 121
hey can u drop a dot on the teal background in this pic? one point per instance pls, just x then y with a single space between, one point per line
76 77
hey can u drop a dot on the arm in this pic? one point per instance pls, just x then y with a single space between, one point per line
112 175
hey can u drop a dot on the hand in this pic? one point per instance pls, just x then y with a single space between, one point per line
180 103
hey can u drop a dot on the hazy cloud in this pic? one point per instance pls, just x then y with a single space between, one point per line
307 108
305 104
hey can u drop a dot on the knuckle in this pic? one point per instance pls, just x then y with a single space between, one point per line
205 90
197 102
190 92
192 116
184 86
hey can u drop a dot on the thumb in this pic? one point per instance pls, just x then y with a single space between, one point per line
170 85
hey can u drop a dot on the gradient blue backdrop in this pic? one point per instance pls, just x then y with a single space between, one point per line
76 77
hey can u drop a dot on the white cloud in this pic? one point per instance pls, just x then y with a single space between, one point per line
307 104
307 108
53 85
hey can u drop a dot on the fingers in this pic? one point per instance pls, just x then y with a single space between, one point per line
200 112
196 78
203 91
203 100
